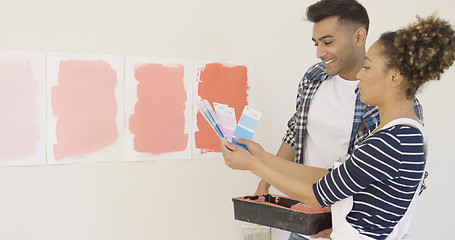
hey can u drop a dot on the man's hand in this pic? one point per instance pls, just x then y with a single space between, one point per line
263 188
323 234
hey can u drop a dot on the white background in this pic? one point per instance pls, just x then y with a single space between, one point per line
190 199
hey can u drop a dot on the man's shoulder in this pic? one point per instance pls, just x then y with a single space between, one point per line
316 72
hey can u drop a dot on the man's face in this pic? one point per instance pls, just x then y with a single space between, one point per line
335 46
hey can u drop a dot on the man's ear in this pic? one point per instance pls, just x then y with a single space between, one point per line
360 37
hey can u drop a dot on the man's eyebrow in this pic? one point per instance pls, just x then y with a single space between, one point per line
322 38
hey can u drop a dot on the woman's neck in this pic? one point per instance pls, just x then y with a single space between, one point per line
396 109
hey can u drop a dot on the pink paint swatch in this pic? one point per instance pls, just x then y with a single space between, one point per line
19 124
85 106
222 84
158 123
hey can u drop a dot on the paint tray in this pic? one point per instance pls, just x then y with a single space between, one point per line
281 212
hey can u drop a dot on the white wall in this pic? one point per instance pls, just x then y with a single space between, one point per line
190 199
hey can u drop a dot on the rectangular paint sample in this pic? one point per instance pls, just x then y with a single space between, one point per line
85 115
23 108
223 83
247 125
244 129
227 118
210 116
158 109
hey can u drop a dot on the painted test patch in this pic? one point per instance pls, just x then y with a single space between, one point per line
221 83
158 121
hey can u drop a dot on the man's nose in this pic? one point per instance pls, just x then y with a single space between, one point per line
320 52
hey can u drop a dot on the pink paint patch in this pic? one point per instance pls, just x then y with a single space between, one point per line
158 122
19 124
85 106
222 84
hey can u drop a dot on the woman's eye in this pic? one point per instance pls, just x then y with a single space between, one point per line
366 68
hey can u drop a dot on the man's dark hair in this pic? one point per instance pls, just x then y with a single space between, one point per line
347 11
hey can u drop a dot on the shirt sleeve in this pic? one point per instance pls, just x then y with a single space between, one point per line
377 159
289 137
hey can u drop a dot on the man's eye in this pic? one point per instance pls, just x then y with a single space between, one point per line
366 68
327 43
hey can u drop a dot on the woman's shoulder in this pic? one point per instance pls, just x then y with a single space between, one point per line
400 133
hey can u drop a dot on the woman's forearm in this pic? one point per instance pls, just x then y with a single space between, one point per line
293 179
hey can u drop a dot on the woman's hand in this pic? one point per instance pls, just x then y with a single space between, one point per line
237 157
254 148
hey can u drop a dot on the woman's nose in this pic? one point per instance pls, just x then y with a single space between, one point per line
359 74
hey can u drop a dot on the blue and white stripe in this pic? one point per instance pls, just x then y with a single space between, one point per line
382 175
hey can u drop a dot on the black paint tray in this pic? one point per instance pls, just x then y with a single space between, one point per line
281 212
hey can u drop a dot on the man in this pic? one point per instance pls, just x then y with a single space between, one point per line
329 113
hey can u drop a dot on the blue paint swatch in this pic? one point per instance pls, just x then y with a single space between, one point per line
247 125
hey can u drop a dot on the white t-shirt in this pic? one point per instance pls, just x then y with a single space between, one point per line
330 120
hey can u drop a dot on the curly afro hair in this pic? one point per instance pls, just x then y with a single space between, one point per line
421 51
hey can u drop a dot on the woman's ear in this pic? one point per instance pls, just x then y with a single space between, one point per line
395 78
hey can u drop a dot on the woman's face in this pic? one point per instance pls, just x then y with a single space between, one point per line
373 76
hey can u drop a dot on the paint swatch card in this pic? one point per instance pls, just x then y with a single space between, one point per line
209 115
227 119
224 121
247 125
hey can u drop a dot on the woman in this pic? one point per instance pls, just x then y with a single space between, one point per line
373 192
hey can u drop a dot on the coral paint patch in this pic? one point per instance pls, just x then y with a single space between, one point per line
86 108
20 122
223 84
158 122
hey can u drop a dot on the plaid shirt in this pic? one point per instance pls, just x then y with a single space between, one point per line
366 117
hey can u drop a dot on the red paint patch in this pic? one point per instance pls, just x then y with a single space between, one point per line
158 122
85 106
223 84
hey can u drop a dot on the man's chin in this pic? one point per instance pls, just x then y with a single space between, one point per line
332 72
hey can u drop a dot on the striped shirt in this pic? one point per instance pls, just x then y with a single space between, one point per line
382 175
365 119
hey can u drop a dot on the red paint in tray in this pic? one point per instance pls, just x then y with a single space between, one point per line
282 212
